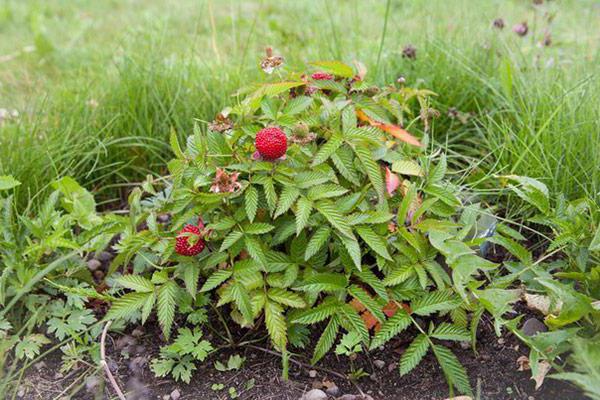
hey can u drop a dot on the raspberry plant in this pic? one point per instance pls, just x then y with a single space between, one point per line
353 229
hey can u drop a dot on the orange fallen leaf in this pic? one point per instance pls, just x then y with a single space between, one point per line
393 130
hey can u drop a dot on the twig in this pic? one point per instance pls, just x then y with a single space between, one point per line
103 363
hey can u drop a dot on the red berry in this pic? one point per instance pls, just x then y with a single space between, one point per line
321 76
182 244
271 143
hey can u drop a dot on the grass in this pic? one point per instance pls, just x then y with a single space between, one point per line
108 81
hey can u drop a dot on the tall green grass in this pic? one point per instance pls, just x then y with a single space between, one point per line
110 80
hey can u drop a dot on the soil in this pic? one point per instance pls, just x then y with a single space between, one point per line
493 371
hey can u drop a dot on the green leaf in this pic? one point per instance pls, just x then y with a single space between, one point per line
216 279
276 326
374 241
297 105
303 210
8 182
595 244
255 250
335 67
439 171
366 300
325 281
127 306
407 167
446 331
328 149
453 370
270 194
326 191
368 277
317 241
414 354
288 197
251 202
399 275
393 326
326 341
136 282
372 169
343 161
286 297
258 228
440 300
242 300
167 295
514 248
353 248
230 240
334 217
191 273
174 142
355 322
318 313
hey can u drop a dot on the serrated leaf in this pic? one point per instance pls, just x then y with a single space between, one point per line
328 149
453 370
174 142
366 300
135 282
326 191
317 313
255 250
317 241
127 305
258 228
242 300
374 241
251 202
407 167
297 105
270 194
8 182
398 275
276 326
326 341
414 354
325 281
441 300
343 162
439 171
353 248
166 304
191 273
393 326
372 169
354 322
335 67
446 331
303 210
230 240
368 277
216 279
334 217
286 297
288 197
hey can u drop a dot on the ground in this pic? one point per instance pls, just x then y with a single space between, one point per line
493 371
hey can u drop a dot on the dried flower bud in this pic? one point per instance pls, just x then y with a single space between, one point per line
270 63
499 23
410 52
221 124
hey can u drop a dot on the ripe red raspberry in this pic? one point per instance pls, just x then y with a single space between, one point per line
182 245
321 76
271 143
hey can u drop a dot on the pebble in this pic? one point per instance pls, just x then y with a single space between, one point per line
333 390
91 383
312 373
104 256
314 394
379 364
533 326
93 264
175 395
348 397
465 345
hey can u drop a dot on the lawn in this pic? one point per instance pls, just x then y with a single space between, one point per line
108 92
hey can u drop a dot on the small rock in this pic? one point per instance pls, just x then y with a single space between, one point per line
93 264
91 383
333 390
314 394
379 364
533 326
312 373
166 397
501 341
347 397
137 332
175 395
104 256
392 366
39 365
21 392
58 375
163 218
465 345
